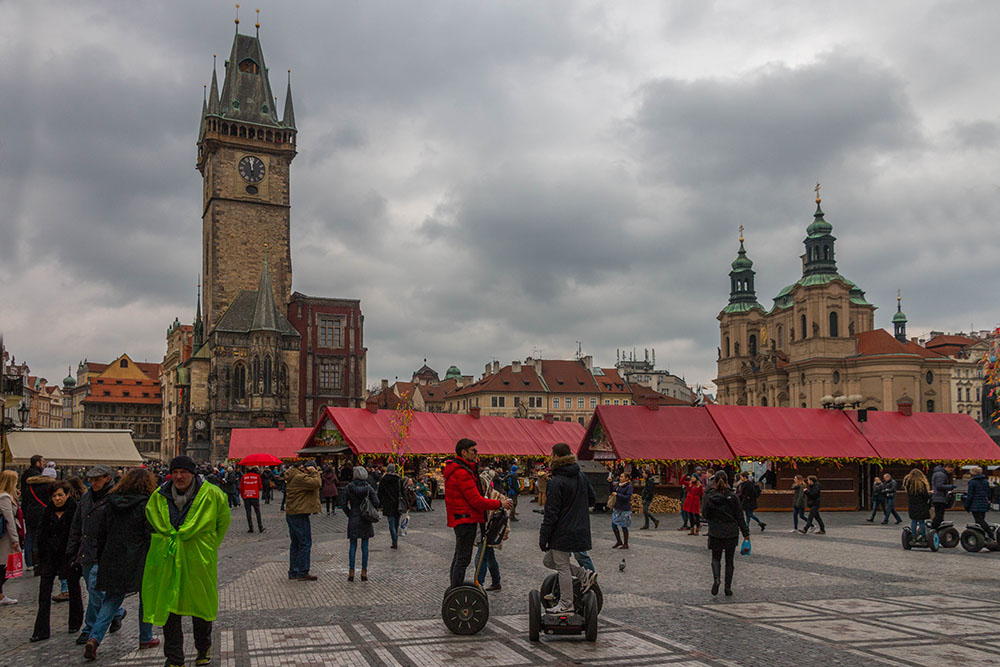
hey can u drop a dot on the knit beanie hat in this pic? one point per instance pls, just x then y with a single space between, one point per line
184 463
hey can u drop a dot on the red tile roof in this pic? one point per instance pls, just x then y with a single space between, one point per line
950 345
568 377
436 393
881 342
641 393
611 382
116 392
506 380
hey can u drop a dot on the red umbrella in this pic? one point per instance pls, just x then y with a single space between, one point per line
261 460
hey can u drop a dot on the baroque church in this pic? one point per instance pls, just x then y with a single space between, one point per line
818 341
257 355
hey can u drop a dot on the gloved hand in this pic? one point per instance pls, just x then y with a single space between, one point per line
543 546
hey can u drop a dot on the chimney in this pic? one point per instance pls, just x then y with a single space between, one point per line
515 367
588 362
474 411
487 371
496 366
905 405
281 426
653 402
548 418
371 404
385 384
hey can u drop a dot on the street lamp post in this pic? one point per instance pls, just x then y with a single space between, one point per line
6 426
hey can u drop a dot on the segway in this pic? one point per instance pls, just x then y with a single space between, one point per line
466 609
975 539
582 620
930 541
949 535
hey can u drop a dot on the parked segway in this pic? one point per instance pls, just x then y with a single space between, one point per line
583 620
975 539
466 609
931 541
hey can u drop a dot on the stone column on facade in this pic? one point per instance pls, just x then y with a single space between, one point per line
888 403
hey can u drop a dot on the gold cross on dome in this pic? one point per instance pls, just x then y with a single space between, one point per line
741 233
817 192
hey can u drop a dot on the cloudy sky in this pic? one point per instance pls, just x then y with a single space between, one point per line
497 179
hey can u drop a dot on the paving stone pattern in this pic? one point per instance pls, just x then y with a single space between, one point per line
852 597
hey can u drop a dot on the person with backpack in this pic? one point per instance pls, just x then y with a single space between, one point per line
748 492
726 520
465 505
490 563
813 493
360 501
878 498
565 528
889 491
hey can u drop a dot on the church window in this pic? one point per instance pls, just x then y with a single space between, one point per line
267 375
256 373
728 348
781 336
803 322
977 393
752 345
329 376
930 405
239 382
243 132
763 401
249 66
834 325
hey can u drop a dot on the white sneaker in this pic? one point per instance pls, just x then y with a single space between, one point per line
587 580
561 608
8 600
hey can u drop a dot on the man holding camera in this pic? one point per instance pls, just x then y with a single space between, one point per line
302 485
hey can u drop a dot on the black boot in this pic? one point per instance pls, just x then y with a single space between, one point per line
729 580
716 574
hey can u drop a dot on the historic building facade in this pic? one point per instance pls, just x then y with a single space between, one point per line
242 363
819 340
125 395
967 374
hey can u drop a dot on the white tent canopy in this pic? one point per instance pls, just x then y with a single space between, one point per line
73 447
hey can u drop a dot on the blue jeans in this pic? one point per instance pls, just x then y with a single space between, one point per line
300 536
393 521
877 504
796 513
95 602
916 524
353 553
583 558
489 563
145 629
890 508
751 515
109 610
684 518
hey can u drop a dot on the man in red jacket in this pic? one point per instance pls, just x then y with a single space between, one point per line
250 489
465 504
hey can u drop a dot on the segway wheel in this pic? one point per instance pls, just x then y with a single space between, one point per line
465 609
933 540
534 614
972 541
949 538
551 585
907 539
590 615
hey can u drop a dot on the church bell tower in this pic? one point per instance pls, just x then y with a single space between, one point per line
244 154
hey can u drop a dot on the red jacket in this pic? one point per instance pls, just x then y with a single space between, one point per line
250 485
463 499
692 501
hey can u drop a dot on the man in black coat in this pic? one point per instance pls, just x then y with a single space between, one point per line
32 505
565 525
389 490
813 493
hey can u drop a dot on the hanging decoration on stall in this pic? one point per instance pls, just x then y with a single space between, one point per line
399 427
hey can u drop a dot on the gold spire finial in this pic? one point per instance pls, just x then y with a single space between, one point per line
817 193
741 233
899 295
237 16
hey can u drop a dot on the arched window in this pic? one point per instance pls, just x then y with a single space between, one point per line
239 382
930 405
752 345
249 66
834 328
267 375
763 401
803 322
728 348
256 375
736 348
781 336
826 252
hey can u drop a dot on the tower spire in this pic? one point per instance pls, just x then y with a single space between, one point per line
819 242
289 118
742 296
213 93
199 325
899 319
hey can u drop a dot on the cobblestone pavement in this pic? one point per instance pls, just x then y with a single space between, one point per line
852 597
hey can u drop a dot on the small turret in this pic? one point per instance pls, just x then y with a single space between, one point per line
288 120
899 319
742 295
819 242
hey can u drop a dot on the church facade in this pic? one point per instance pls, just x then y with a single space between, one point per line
819 340
243 363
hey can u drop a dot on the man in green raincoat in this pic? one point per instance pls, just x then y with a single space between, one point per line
189 520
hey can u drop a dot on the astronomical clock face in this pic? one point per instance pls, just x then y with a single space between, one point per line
200 424
251 168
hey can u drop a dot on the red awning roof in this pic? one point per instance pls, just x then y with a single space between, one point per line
437 433
923 436
667 434
283 443
802 433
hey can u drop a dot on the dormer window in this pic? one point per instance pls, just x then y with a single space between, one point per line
249 66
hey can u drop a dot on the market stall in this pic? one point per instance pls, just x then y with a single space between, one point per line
72 447
281 442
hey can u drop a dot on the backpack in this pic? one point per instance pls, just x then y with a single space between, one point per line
755 490
495 528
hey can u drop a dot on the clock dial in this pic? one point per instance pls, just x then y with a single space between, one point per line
200 424
251 168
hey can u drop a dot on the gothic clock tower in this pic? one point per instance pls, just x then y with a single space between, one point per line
244 154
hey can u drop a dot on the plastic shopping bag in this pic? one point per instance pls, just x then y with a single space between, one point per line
404 524
745 549
15 565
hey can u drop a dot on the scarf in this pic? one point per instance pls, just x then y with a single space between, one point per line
181 500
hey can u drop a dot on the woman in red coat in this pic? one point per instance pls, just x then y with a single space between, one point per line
692 502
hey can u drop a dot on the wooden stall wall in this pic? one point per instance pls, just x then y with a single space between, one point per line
841 486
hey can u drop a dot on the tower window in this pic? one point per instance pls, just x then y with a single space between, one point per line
826 252
124 363
803 322
249 66
781 336
267 375
752 345
834 325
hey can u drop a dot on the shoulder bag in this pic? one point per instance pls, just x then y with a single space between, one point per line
368 511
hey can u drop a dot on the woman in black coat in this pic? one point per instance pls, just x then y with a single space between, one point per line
359 528
918 501
124 538
726 520
53 534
